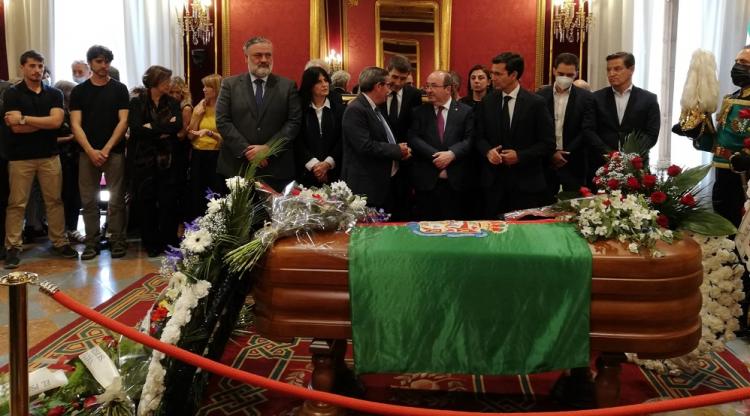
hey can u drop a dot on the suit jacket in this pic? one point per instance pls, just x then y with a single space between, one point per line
424 141
311 143
241 123
367 156
642 114
531 136
410 98
578 130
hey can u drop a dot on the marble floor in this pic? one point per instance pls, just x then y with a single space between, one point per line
90 282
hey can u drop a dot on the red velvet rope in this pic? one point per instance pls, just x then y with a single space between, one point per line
374 407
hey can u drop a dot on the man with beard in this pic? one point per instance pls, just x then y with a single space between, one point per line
99 119
253 109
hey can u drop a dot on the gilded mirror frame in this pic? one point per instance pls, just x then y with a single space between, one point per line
443 9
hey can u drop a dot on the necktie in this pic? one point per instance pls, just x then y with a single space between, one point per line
440 123
388 132
259 92
505 119
393 110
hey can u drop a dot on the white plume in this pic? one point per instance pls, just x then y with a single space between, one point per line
701 86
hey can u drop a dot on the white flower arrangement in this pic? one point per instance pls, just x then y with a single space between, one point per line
628 219
722 291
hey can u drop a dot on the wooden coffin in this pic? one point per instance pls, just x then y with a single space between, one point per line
639 304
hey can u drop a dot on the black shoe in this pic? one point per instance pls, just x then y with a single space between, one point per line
119 249
66 251
11 258
89 253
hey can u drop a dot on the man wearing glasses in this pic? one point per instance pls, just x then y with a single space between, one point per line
371 153
440 135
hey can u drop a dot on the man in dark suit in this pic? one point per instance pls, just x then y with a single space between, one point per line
371 154
254 108
572 110
622 108
515 136
440 137
397 109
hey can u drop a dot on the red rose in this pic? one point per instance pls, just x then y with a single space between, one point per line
606 169
746 143
633 183
613 154
658 197
744 113
89 402
688 199
295 191
317 196
637 162
159 313
674 170
613 183
585 192
56 411
607 202
597 180
649 180
662 220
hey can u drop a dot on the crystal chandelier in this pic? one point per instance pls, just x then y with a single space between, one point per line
571 19
195 21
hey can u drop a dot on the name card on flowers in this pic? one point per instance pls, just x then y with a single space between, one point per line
100 365
44 379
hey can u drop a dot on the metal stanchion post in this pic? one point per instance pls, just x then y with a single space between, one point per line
19 360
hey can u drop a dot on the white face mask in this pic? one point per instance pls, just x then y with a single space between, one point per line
79 80
563 82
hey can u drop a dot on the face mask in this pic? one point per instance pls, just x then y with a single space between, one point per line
563 82
740 75
46 82
79 80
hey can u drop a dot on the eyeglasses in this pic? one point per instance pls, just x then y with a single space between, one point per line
433 86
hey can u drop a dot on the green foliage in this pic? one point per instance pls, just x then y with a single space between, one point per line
636 142
708 223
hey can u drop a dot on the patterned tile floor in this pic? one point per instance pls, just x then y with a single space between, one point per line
90 282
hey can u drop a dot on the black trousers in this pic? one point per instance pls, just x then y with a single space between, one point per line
203 176
71 196
156 205
728 195
440 203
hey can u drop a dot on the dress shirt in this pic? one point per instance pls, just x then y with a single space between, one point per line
319 114
621 101
265 83
381 117
561 103
512 103
400 95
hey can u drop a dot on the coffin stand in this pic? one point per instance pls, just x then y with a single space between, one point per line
639 304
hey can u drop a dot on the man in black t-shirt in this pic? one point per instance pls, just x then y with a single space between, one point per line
99 118
34 113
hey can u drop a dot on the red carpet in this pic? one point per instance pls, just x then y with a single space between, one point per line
291 363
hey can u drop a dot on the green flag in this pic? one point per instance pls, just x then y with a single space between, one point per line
513 299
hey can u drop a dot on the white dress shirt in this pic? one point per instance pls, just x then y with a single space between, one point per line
621 101
512 103
561 104
319 113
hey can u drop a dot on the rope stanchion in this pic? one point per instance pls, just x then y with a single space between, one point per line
364 405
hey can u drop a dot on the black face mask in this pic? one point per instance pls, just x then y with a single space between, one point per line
740 75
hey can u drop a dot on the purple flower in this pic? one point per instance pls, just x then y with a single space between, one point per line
211 194
173 253
192 226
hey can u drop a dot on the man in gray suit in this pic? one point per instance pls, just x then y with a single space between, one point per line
253 109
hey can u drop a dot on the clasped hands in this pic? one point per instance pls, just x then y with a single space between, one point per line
254 150
497 156
13 118
405 150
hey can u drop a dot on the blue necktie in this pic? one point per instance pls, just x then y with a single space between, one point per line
388 132
258 92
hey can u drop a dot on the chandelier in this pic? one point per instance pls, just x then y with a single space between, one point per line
571 19
333 60
195 21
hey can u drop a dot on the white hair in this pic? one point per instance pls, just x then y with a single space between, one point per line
701 86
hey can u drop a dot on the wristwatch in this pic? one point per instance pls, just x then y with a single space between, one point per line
22 121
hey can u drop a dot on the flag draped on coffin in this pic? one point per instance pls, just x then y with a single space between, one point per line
511 299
